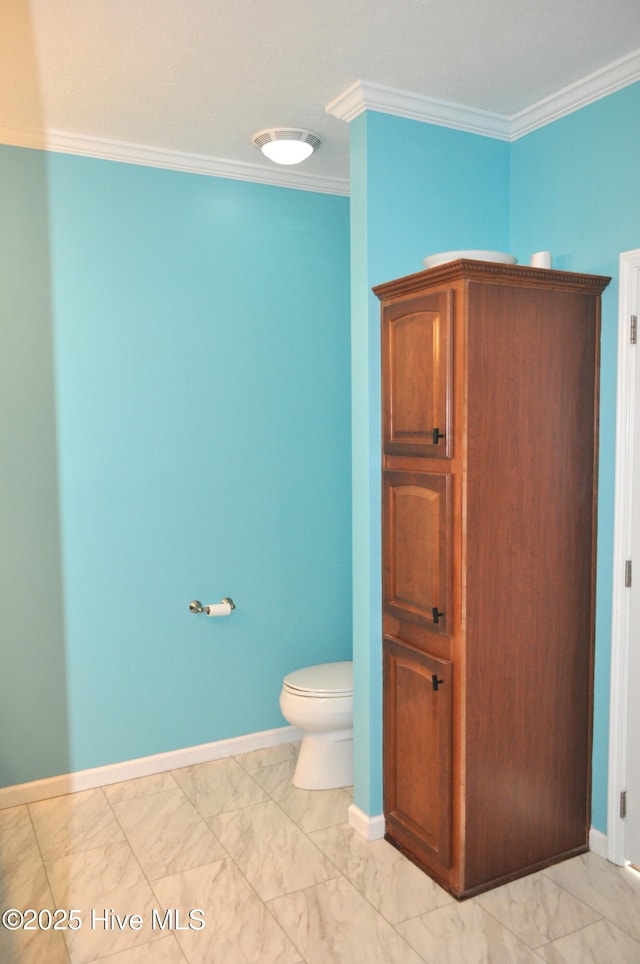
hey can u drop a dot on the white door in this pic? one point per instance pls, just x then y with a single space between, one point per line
623 830
632 819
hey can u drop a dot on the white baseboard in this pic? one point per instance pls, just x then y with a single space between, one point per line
371 828
598 842
144 766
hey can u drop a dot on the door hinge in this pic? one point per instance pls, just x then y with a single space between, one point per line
627 574
623 804
634 329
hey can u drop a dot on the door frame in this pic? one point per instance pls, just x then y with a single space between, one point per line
629 292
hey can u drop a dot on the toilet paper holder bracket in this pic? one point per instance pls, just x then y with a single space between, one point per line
195 606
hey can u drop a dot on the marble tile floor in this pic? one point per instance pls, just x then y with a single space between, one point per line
227 862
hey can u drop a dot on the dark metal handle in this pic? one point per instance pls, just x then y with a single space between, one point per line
435 682
436 615
437 435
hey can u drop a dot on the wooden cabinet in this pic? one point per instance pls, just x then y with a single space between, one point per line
490 387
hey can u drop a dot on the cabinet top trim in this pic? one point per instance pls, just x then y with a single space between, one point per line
488 271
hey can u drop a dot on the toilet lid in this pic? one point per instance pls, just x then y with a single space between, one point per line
326 679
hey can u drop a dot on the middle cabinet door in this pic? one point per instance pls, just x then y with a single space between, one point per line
417 566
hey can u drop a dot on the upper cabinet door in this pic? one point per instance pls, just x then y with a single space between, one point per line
416 376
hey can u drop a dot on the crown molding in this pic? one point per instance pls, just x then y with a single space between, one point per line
363 95
621 73
63 142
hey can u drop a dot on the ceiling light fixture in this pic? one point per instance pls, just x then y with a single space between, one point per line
286 145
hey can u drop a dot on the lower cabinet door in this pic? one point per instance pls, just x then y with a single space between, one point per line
417 752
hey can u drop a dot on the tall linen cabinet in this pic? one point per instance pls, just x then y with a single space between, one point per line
489 411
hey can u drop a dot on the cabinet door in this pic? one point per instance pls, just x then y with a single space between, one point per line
416 377
417 751
416 548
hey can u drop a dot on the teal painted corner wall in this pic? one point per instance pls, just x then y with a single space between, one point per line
415 189
33 685
365 386
432 189
194 390
575 192
569 187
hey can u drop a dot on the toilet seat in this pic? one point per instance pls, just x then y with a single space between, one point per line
326 680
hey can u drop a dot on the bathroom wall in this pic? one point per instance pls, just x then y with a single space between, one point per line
415 189
33 685
575 192
201 448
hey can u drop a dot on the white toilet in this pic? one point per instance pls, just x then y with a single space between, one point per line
319 700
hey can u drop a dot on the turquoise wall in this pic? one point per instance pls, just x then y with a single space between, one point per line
415 189
365 422
569 187
33 686
194 332
575 193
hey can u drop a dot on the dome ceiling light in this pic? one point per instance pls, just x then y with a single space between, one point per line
286 145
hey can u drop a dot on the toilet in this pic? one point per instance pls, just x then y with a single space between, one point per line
319 700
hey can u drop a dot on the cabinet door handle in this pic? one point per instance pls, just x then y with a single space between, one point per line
437 435
435 682
436 615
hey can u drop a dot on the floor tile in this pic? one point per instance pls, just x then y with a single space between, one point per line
536 909
271 754
316 809
24 885
212 839
380 873
600 943
238 927
32 947
276 778
310 809
166 950
331 923
271 851
141 787
75 822
14 817
23 882
612 891
464 932
166 833
219 786
100 884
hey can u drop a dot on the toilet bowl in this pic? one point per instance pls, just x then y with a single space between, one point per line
319 700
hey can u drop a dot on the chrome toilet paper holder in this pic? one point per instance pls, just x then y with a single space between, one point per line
195 606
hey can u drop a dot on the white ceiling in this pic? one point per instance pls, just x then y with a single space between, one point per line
199 77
